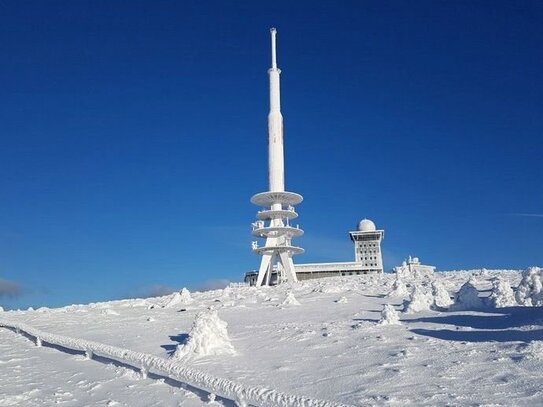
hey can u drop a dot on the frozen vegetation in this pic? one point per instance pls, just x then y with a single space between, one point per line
348 342
389 316
208 336
530 290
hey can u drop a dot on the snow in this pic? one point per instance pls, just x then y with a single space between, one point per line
530 290
502 294
442 298
389 316
467 298
399 289
322 352
290 299
208 336
420 300
179 298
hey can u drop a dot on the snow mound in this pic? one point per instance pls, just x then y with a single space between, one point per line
502 294
442 298
327 289
399 289
341 300
534 351
208 336
109 311
290 299
181 297
420 300
467 298
530 289
389 316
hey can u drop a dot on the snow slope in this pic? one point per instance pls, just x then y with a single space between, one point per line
330 347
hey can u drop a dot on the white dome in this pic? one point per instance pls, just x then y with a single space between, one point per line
366 225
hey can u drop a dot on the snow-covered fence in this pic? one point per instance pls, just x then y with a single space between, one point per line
242 395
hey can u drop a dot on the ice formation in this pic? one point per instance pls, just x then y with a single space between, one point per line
208 336
420 300
181 297
530 289
290 299
399 289
389 316
1 309
502 294
442 298
467 298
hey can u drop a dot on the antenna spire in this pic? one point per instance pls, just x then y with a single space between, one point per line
273 32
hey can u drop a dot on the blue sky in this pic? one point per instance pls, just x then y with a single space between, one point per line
134 133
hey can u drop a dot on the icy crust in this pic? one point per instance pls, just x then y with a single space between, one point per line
242 395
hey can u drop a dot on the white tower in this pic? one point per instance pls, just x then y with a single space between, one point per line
273 222
367 246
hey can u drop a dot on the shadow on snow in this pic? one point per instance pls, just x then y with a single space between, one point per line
492 327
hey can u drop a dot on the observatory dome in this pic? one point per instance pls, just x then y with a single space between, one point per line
366 225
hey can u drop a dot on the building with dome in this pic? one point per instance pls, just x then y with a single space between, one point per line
368 258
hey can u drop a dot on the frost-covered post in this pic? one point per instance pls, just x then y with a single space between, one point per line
89 354
144 370
38 341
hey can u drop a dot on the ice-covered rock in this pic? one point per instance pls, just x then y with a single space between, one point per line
290 299
419 300
467 298
502 294
208 336
389 316
179 298
399 289
530 289
442 298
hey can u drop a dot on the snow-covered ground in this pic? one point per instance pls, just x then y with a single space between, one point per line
327 339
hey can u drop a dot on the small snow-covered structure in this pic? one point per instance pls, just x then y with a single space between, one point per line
178 298
502 294
412 267
399 289
290 299
467 298
530 289
442 298
208 336
420 300
389 316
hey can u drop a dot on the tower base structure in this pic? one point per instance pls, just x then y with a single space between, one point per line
273 224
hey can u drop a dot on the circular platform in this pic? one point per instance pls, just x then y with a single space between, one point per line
271 249
270 198
282 214
275 231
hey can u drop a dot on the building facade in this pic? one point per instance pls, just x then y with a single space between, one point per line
368 258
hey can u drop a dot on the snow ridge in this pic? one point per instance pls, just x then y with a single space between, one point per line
242 395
